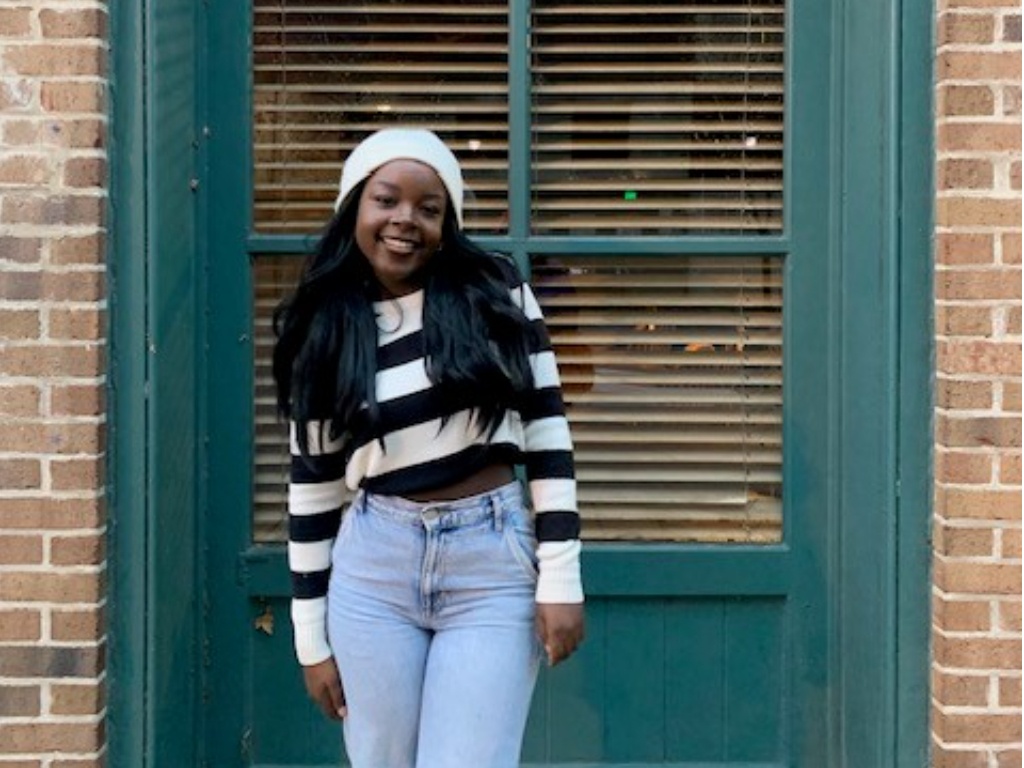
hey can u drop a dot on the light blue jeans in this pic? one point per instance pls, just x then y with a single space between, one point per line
431 621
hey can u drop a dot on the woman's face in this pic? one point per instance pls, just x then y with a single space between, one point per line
398 225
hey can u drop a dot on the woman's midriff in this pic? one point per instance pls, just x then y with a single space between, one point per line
487 479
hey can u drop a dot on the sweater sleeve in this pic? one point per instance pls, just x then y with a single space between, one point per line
550 467
315 492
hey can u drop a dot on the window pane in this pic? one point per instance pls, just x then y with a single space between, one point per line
327 74
672 373
657 118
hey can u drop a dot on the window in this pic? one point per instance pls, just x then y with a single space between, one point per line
642 120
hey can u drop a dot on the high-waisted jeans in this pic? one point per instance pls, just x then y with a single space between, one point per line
431 621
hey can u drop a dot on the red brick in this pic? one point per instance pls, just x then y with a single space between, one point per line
85 172
73 96
47 513
19 701
77 134
962 615
77 474
976 431
22 400
82 625
78 324
958 248
20 624
979 284
1010 243
1009 616
87 249
21 550
978 728
972 504
1011 397
1013 325
1009 692
952 690
1008 758
19 324
965 100
79 285
81 22
20 474
21 285
980 357
51 587
965 395
945 757
75 400
77 550
15 23
961 320
1010 469
1011 101
56 210
76 699
965 542
24 170
971 65
1011 28
962 467
968 577
1010 547
50 737
978 212
965 174
965 28
22 250
55 61
43 361
1014 175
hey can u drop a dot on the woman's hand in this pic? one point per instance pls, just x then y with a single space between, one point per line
323 684
560 629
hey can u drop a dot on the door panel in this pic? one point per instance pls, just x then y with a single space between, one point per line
697 654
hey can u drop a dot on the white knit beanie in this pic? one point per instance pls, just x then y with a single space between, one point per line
402 144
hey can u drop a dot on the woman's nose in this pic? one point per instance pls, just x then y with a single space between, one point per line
402 214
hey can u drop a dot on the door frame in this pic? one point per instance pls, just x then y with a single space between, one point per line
881 126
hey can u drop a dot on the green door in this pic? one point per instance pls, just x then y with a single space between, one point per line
676 179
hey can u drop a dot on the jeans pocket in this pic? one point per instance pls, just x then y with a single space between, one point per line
522 543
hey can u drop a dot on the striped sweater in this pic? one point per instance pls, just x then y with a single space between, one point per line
425 447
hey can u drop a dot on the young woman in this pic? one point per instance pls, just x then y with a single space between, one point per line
415 370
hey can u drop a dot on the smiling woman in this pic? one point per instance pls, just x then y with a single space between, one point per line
416 371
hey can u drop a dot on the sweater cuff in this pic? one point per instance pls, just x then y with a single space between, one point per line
309 624
559 564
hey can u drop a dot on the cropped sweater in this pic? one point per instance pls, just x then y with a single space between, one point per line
423 447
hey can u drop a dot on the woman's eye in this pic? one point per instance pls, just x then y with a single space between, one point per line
384 200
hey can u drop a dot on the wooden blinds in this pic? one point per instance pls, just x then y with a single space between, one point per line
672 373
326 74
646 118
657 117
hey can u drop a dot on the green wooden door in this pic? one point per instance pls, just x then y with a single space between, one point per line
702 649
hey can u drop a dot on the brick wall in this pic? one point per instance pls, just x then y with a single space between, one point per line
52 380
976 663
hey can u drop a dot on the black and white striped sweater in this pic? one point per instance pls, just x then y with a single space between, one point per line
426 447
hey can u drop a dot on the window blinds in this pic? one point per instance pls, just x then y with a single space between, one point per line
327 74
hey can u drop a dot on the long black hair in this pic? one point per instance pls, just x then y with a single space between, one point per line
476 340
